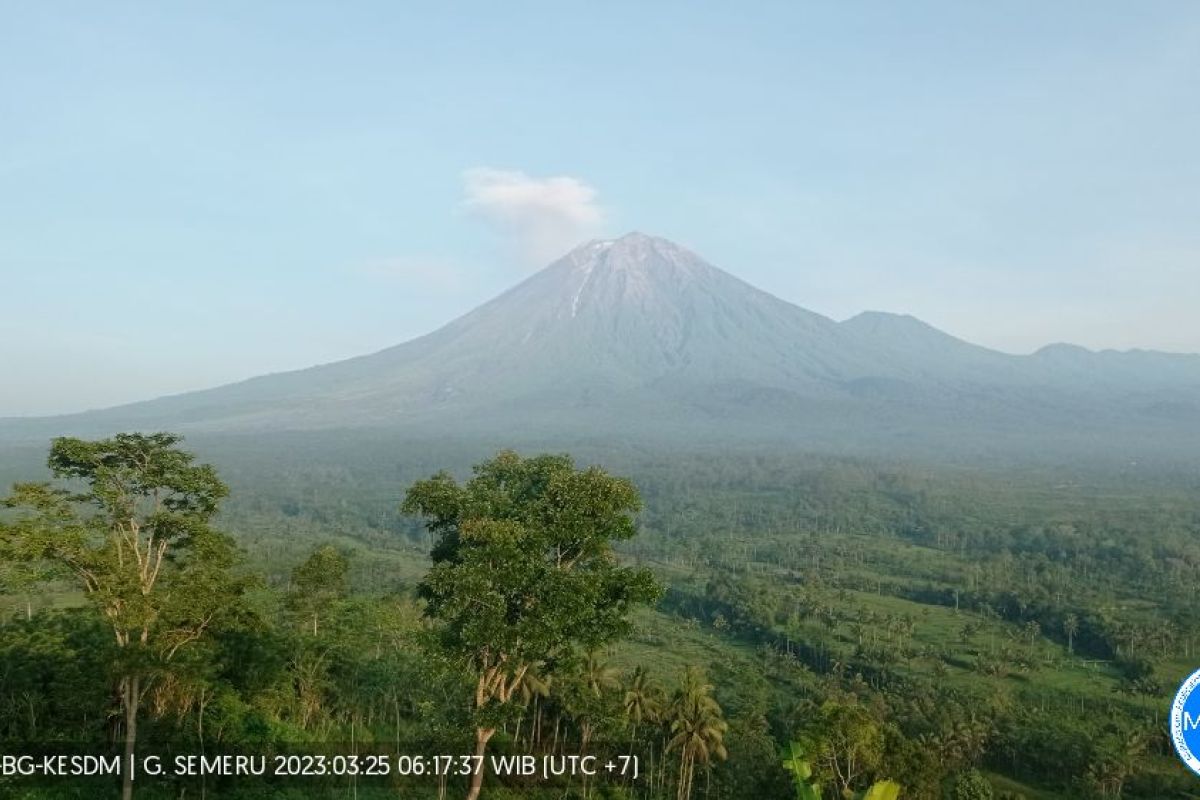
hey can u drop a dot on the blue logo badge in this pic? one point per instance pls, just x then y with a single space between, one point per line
1185 722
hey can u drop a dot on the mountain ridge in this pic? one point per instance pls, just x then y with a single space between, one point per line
639 335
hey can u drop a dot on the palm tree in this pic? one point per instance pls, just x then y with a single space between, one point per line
1113 762
697 728
1070 628
642 701
600 677
1032 631
530 686
594 684
530 689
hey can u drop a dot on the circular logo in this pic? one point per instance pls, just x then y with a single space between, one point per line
1185 722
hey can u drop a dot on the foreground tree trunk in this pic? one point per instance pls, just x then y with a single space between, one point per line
130 698
482 735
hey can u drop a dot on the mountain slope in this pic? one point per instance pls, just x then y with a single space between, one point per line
640 336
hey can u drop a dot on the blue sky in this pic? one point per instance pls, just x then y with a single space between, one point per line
197 193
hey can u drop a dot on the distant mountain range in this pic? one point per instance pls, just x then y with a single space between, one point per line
640 338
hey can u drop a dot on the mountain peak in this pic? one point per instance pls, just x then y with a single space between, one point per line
633 268
634 249
636 238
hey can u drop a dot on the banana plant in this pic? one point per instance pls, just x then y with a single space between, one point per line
882 790
807 787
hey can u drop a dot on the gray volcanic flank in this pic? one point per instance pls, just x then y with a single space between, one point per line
638 336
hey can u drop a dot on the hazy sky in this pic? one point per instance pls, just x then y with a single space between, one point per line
196 193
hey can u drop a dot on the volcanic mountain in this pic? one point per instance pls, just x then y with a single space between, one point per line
640 337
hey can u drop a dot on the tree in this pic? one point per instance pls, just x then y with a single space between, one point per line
697 728
642 701
752 768
598 676
1070 628
808 788
317 584
1031 630
589 696
532 689
962 744
524 575
970 785
22 577
846 743
138 544
1114 759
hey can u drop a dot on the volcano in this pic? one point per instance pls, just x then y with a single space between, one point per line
640 337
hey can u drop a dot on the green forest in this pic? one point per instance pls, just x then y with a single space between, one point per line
737 624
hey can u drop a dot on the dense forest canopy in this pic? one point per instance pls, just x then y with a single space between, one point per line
831 626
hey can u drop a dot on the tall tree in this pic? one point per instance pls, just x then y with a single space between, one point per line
847 744
1070 628
138 542
642 701
697 729
318 583
524 574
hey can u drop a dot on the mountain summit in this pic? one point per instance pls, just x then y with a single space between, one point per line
594 331
639 308
639 336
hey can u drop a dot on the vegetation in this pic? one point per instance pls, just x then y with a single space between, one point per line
829 628
524 574
138 544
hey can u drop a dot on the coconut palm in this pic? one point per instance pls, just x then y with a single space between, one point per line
697 728
1070 628
599 676
590 696
530 689
642 701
